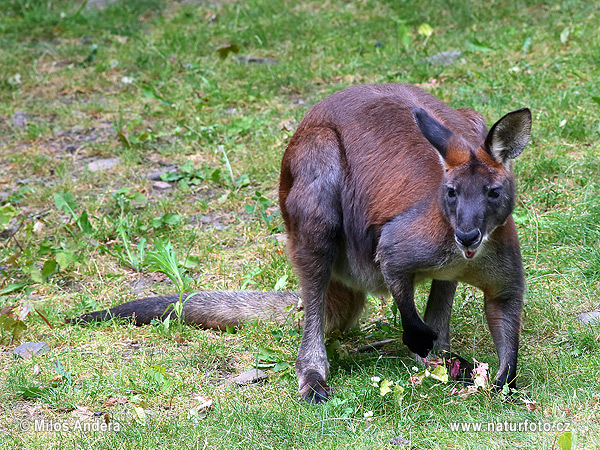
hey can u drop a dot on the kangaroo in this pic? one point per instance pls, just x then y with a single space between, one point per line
381 187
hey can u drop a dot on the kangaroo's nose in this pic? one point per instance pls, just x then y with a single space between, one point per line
469 238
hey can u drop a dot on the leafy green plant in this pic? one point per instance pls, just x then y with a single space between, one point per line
163 259
134 260
65 201
7 212
28 261
260 207
157 375
126 200
176 99
275 360
171 219
249 277
242 181
394 389
581 342
13 318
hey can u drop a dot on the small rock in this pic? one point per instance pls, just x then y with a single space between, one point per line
98 4
4 195
399 440
38 228
251 376
19 119
590 318
214 222
256 60
141 286
161 185
103 164
151 412
443 58
29 349
157 174
11 229
281 238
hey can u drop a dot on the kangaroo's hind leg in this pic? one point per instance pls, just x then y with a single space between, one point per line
310 202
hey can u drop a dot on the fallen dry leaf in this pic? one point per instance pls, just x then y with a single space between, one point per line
469 390
82 412
529 404
112 401
200 411
417 378
480 381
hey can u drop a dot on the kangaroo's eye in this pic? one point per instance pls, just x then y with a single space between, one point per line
451 192
494 193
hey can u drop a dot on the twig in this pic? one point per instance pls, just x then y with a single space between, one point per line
374 345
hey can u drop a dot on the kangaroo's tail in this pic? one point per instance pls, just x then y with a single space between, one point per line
209 309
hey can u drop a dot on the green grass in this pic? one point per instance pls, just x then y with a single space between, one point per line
143 81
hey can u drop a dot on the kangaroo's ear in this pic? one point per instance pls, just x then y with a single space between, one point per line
436 133
508 137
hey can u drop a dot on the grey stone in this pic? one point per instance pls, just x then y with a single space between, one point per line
443 58
250 376
98 4
11 229
256 60
141 285
19 119
590 318
103 164
157 174
161 185
29 349
400 441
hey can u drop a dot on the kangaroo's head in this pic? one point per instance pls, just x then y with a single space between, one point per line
477 193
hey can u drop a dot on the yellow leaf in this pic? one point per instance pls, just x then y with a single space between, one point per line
425 30
440 373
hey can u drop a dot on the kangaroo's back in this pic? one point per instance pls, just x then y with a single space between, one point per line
389 165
